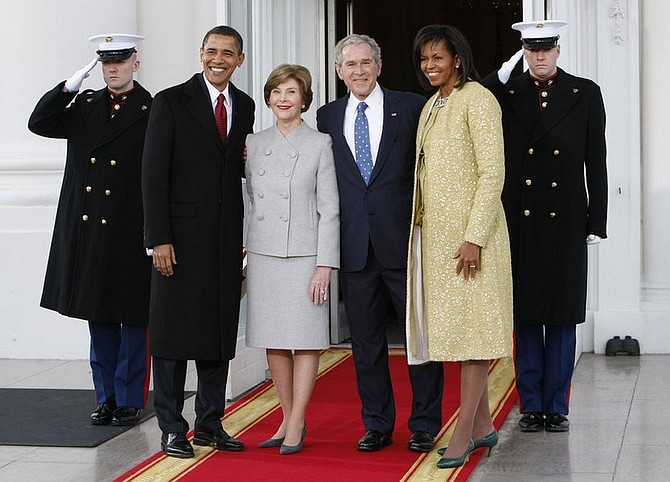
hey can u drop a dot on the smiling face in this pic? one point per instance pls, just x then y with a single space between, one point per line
439 66
359 70
542 62
118 74
286 101
220 57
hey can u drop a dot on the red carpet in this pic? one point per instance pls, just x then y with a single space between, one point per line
334 426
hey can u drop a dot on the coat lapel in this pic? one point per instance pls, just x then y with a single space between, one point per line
238 118
523 100
389 131
200 107
562 98
337 135
136 108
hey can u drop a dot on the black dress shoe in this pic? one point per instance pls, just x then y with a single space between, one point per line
102 415
532 422
219 440
556 422
176 445
421 442
374 440
125 416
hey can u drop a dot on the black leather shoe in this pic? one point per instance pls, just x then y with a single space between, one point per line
176 445
421 442
219 440
102 415
125 416
556 422
532 422
374 440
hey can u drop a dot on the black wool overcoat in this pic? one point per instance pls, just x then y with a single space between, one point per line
555 191
97 268
192 192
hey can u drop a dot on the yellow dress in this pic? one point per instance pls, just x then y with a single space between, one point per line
458 182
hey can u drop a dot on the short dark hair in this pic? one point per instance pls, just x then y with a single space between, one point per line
455 43
284 72
228 32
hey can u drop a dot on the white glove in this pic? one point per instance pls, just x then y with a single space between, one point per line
73 84
593 239
507 67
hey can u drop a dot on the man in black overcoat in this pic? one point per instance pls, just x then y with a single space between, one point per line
192 191
555 200
97 268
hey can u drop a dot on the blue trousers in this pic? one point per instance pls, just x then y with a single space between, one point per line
544 360
119 363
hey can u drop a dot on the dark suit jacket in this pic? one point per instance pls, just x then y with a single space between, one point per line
381 211
192 193
97 268
555 192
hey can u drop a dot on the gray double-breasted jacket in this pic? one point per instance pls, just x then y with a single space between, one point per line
294 202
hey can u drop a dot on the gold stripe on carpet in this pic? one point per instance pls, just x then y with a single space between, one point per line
237 420
501 387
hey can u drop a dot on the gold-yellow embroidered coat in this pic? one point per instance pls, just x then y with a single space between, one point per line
458 181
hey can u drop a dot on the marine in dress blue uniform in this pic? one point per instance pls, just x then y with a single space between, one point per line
97 269
555 200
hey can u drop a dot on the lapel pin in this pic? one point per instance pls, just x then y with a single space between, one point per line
394 114
511 91
144 107
574 91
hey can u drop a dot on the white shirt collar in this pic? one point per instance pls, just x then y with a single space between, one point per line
214 93
374 98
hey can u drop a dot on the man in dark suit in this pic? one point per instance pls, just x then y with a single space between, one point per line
375 213
97 269
191 186
555 200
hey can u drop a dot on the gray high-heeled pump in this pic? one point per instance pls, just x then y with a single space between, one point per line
293 449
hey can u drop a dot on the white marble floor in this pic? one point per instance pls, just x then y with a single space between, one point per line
620 430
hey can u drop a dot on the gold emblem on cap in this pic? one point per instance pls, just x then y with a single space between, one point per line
109 39
539 25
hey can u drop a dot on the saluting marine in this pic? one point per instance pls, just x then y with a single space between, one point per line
555 200
97 269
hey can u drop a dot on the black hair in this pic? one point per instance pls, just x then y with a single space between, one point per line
228 32
455 43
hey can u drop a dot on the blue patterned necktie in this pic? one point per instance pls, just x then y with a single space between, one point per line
362 143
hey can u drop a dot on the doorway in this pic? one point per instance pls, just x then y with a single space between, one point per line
393 24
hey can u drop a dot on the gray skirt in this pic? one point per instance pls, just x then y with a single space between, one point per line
280 313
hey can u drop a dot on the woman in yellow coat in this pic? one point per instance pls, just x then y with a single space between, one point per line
459 279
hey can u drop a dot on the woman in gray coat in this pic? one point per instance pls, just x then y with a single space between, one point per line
292 244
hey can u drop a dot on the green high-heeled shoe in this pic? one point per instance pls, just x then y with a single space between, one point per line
453 462
487 441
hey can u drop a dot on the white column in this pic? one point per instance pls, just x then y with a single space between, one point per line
655 179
